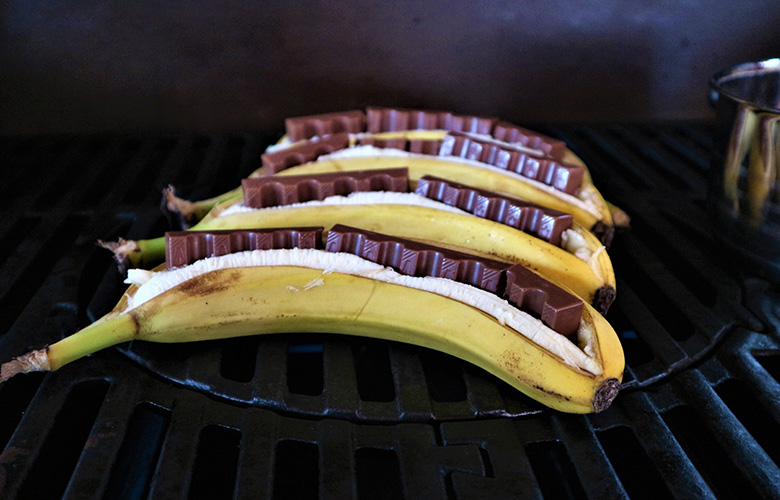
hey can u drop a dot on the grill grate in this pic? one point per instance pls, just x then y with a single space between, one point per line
314 416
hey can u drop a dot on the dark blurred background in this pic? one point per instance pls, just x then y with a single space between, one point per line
229 65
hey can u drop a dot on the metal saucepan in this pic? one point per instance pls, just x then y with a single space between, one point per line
744 197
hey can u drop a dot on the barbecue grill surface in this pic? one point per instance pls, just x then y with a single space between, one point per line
307 416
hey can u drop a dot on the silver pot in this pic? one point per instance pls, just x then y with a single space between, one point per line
743 195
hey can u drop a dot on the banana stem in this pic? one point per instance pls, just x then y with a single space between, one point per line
93 338
192 212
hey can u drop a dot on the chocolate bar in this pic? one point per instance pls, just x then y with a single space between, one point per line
398 119
524 289
419 146
544 223
306 127
271 191
557 308
561 176
416 259
304 152
185 247
509 132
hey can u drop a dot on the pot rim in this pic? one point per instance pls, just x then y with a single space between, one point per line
744 70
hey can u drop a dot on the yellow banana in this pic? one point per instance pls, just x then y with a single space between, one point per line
588 206
340 298
582 265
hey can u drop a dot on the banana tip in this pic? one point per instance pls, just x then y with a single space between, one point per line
604 298
605 394
604 232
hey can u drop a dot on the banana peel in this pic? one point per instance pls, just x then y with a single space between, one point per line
583 265
254 300
588 207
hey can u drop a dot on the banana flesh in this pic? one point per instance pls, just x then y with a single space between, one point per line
583 265
260 299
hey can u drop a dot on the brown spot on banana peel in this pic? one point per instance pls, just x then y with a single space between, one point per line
551 393
208 283
136 322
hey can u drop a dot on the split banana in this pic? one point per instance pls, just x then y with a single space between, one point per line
309 290
581 264
356 151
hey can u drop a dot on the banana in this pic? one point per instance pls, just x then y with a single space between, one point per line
582 265
289 291
588 206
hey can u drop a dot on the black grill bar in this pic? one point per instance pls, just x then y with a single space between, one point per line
346 417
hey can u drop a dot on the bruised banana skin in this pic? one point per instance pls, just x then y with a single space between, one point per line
593 281
280 299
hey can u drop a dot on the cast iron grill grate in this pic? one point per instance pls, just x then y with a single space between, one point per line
313 416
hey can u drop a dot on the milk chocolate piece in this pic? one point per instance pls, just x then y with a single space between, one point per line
509 132
271 191
416 259
523 288
306 127
185 247
398 119
419 146
304 152
557 308
542 222
559 175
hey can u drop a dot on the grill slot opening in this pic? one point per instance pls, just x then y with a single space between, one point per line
38 268
635 349
101 180
677 262
443 376
239 359
657 300
15 396
47 152
710 460
697 235
132 473
70 173
214 472
297 471
664 166
378 474
304 368
49 475
602 152
486 462
770 361
373 372
17 234
554 470
758 422
637 473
